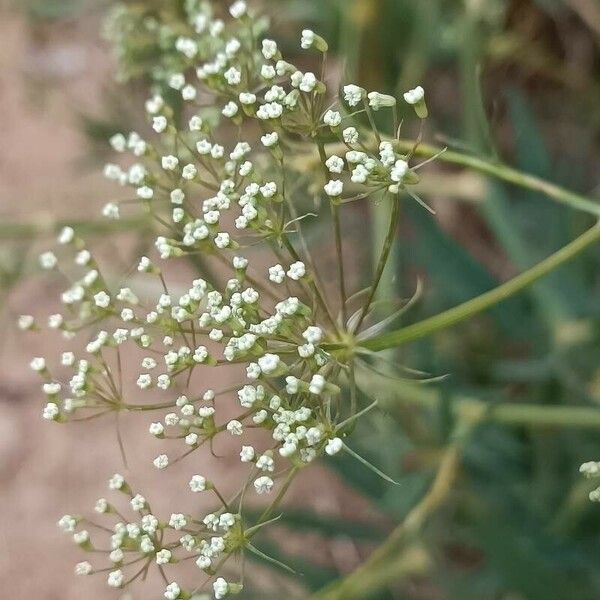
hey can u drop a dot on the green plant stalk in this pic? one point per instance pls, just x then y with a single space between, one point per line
383 257
374 574
504 413
505 173
476 305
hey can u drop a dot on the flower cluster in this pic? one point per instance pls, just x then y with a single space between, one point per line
591 470
213 199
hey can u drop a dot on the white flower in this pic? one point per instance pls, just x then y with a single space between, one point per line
163 557
189 92
177 521
138 502
116 482
172 591
102 300
191 439
38 364
247 98
169 163
156 429
197 483
353 94
51 389
263 485
399 170
308 82
51 411
161 461
144 265
332 118
415 95
317 383
265 462
177 196
222 240
233 76
335 164
590 469
247 454
270 139
189 172
377 100
144 381
25 322
235 427
66 235
277 274
334 188
115 579
177 81
360 174
296 271
308 38
387 154
270 110
350 135
83 568
48 260
239 262
334 446
195 123
153 106
232 47
313 334
269 49
269 363
118 142
306 350
67 523
159 124
230 109
186 46
238 9
220 588
268 72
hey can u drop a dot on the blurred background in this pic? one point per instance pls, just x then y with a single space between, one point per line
517 81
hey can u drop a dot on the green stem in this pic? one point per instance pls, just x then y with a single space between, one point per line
335 214
337 231
374 574
463 311
515 414
506 173
383 259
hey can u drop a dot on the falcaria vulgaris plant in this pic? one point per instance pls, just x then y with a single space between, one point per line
298 343
298 347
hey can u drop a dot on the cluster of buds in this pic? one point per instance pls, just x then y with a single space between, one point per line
215 199
591 470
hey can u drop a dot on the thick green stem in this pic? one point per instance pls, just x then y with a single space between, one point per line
466 310
466 408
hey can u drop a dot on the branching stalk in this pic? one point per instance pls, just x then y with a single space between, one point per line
470 308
